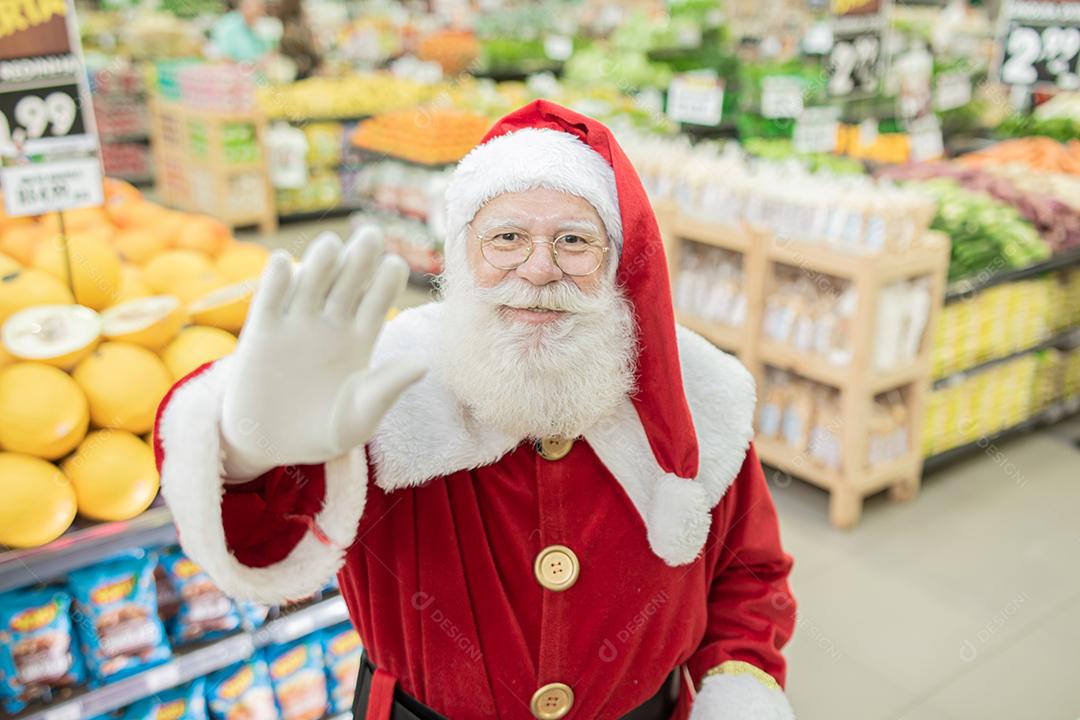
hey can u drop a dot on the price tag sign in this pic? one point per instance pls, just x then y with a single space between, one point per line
1040 43
952 90
855 61
696 98
926 140
161 678
815 130
558 47
781 96
48 142
38 188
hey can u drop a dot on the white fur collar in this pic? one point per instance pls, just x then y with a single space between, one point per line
428 434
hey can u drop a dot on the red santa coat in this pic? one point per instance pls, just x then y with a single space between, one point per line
434 529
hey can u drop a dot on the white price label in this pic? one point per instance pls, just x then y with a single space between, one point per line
815 130
290 628
868 132
558 47
926 140
67 711
650 100
952 90
47 187
161 678
781 96
696 98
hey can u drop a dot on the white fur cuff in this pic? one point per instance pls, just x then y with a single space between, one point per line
739 697
191 482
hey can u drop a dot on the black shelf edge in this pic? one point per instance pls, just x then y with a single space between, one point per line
83 546
334 212
195 663
963 289
1055 413
1072 335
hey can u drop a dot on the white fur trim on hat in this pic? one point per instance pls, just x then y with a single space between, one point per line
531 158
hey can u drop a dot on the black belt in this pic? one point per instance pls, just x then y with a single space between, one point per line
658 707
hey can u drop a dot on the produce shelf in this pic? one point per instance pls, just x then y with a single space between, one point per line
1055 413
312 215
1070 336
782 456
194 663
962 289
813 367
726 337
84 546
709 233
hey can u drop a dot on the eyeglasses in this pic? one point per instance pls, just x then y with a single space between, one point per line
576 254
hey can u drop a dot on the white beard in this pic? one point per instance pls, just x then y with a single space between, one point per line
535 381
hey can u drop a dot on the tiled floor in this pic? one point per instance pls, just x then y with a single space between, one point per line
963 604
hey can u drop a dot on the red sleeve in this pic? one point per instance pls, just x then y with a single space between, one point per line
266 517
751 611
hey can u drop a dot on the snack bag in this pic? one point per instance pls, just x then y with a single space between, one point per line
204 610
241 692
35 647
186 702
116 613
341 656
296 670
252 614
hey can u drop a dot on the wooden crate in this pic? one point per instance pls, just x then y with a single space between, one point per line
237 193
858 382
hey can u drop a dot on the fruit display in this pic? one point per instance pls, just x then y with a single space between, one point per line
96 327
1038 152
353 96
431 136
454 50
987 235
1057 118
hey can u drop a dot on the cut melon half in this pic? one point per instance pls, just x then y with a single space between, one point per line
226 308
151 321
59 335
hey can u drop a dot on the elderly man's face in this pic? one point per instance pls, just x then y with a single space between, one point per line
545 214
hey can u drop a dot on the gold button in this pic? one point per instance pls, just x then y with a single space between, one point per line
556 567
552 701
554 448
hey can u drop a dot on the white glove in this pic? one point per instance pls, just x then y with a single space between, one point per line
302 391
739 697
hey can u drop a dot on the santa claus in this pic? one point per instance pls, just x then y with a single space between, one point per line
539 495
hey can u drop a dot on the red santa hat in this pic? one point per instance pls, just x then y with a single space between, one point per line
546 145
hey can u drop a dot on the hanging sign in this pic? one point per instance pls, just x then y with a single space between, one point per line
1039 43
696 98
855 61
48 142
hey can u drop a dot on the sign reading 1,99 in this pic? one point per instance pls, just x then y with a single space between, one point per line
47 112
1040 44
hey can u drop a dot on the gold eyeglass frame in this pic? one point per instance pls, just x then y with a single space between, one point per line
532 246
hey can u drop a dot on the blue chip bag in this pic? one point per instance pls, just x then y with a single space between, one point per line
187 702
341 656
116 614
242 692
36 655
296 670
252 614
204 611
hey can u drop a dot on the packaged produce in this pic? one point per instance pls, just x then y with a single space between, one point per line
242 692
204 610
187 702
709 285
119 629
811 313
342 651
36 652
296 670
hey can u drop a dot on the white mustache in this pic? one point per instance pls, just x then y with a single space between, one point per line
562 296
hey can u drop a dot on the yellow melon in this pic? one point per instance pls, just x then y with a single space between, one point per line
121 191
37 502
225 308
242 261
58 335
113 474
8 264
42 411
199 286
172 269
132 285
95 267
150 322
77 219
203 234
21 242
25 288
124 384
139 244
195 346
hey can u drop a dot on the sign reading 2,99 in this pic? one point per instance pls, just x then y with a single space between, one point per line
1040 44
